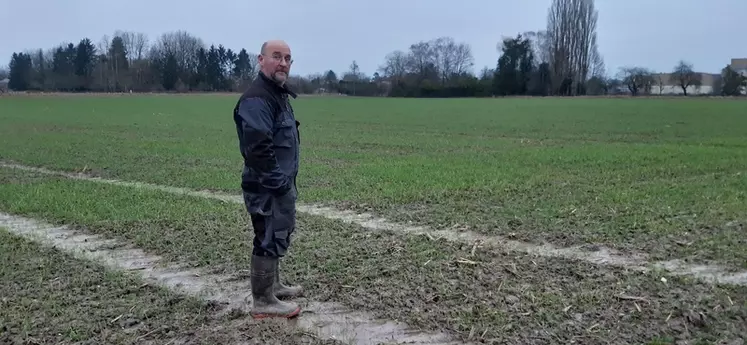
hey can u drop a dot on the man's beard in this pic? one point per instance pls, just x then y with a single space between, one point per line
280 76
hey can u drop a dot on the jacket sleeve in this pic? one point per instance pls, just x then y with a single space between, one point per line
257 125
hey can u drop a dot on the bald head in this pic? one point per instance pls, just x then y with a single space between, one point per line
275 60
273 44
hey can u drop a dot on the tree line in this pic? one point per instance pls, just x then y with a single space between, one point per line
643 81
176 61
561 60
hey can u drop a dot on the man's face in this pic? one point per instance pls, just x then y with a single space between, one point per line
276 62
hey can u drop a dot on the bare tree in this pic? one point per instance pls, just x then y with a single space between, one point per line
540 46
422 60
183 47
128 39
661 79
354 74
443 48
571 29
140 42
684 76
395 65
103 75
353 77
451 58
103 45
596 67
135 45
463 58
134 42
637 79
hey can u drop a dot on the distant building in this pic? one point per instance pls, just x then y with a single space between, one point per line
665 84
4 85
739 65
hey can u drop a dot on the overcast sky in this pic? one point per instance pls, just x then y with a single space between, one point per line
330 34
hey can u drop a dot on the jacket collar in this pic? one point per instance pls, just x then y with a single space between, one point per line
274 86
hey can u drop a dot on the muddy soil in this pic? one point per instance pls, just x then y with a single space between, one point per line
226 294
508 298
48 297
497 295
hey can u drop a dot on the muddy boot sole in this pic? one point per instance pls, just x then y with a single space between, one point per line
261 315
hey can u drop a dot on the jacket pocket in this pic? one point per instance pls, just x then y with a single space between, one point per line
258 203
284 134
284 211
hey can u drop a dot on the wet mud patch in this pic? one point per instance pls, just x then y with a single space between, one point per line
591 253
226 293
49 297
503 297
10 176
666 217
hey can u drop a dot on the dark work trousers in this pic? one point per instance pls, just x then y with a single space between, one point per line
273 229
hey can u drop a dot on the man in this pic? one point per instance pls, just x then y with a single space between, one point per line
269 142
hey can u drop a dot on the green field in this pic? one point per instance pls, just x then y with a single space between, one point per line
638 174
660 176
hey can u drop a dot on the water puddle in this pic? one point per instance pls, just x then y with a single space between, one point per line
327 320
600 255
709 273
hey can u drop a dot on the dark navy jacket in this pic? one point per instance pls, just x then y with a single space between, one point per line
269 142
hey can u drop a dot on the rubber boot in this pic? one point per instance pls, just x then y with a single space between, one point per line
265 303
282 290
